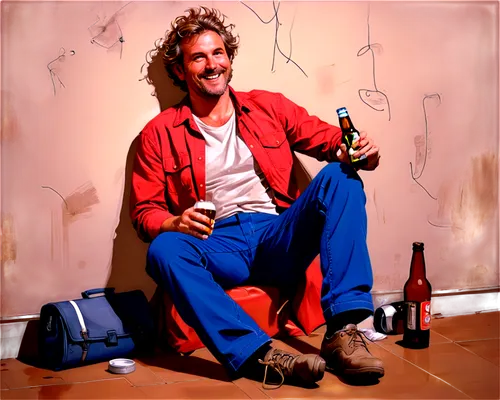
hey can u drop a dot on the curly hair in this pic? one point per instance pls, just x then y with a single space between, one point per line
198 20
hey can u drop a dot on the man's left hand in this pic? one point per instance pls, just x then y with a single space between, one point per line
365 145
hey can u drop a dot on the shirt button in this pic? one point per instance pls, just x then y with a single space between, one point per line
277 142
175 166
200 158
251 146
201 184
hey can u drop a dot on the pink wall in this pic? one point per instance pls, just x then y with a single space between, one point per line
78 141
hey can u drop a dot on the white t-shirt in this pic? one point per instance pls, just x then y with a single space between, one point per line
234 181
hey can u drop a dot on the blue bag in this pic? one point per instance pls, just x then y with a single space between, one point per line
93 329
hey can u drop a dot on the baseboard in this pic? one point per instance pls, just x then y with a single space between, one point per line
449 303
445 303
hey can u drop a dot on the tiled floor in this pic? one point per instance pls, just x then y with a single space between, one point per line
462 362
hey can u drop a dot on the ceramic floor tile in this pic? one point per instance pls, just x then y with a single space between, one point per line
304 344
312 343
435 338
15 374
469 367
250 389
469 327
20 394
401 380
141 376
107 389
462 369
177 368
205 389
489 349
3 384
86 373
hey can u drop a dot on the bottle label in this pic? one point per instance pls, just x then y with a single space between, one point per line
411 315
353 146
425 315
418 312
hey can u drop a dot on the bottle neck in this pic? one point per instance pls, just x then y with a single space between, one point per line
417 266
346 123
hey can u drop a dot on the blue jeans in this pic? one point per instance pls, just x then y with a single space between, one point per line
329 219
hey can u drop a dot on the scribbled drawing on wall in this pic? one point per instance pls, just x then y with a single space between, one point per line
76 205
52 67
277 24
373 98
422 145
484 175
107 33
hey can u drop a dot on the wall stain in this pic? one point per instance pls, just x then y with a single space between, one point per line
444 253
82 264
325 82
120 175
76 205
56 228
477 199
397 260
52 236
8 239
10 130
443 201
419 142
478 277
375 204
79 203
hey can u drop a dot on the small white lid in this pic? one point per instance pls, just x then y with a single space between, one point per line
121 366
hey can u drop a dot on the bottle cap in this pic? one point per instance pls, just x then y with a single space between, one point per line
342 112
418 246
121 366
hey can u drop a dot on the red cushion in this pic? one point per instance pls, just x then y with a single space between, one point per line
261 303
307 303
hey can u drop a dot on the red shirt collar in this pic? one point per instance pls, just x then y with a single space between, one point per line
240 103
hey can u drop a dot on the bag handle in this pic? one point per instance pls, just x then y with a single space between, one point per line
105 291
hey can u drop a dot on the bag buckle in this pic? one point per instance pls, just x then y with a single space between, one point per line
112 339
85 347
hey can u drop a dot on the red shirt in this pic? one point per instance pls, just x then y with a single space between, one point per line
169 169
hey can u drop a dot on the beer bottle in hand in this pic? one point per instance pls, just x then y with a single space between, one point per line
417 297
350 135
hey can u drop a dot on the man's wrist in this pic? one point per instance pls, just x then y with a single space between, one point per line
170 224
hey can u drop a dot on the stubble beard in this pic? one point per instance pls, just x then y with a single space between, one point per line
217 92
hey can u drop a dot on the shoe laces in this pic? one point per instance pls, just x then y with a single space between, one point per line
281 362
357 338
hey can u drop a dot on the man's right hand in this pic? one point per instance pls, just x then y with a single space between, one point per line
191 222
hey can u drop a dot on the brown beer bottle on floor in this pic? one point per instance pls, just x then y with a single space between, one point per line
417 297
350 135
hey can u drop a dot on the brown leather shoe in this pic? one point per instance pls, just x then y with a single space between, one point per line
302 368
346 353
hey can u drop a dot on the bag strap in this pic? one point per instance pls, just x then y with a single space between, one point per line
83 332
105 291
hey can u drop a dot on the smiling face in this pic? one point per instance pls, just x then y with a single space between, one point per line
206 67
